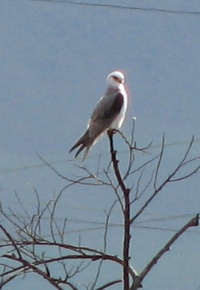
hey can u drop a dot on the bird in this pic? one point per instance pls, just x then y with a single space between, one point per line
108 115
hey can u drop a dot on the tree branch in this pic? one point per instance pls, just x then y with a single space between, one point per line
192 223
126 192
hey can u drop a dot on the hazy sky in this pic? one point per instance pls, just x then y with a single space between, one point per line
55 57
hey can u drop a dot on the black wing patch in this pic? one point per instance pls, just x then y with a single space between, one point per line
115 108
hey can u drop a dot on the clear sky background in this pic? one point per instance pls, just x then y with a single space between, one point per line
55 57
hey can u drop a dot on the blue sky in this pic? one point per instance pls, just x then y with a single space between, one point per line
54 61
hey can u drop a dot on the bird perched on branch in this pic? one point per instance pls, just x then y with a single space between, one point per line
108 114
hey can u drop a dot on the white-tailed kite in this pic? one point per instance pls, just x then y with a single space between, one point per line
108 114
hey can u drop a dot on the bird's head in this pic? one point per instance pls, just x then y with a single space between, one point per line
115 79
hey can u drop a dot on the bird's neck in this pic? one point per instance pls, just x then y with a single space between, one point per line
114 89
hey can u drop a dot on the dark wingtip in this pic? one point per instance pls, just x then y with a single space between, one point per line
77 144
72 148
83 142
79 150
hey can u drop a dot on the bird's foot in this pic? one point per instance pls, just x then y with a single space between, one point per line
111 132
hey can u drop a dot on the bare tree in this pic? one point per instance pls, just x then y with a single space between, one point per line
27 243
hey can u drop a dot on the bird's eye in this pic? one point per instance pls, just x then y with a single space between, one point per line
117 79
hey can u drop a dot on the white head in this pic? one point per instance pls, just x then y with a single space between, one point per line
115 79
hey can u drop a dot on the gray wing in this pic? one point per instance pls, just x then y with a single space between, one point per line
108 107
105 112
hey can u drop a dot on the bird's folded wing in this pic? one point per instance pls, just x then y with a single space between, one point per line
104 114
108 107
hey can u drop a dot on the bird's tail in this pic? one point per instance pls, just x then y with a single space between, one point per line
85 142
